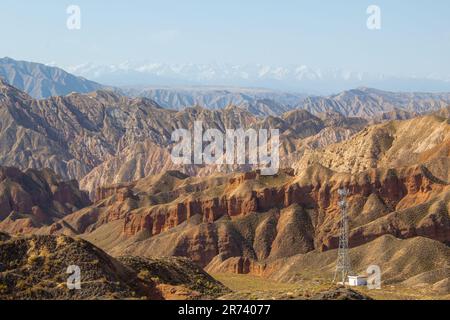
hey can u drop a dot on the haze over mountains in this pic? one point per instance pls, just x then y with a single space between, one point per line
297 78
359 102
260 102
41 81
366 102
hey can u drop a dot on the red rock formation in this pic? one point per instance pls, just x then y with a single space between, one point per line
396 191
288 214
31 199
125 191
159 219
237 265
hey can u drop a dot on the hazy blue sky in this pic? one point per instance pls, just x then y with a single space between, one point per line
414 39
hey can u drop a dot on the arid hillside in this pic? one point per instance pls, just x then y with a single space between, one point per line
243 223
102 138
33 198
35 268
390 145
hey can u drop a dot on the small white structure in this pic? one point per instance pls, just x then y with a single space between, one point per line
357 281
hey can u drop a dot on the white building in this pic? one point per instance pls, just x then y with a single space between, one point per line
357 281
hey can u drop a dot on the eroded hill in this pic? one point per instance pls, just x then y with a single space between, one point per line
35 268
32 199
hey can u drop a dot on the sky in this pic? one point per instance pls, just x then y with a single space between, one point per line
414 38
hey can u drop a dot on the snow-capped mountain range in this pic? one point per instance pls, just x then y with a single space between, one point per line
298 78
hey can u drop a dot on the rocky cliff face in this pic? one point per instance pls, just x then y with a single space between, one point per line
255 219
31 199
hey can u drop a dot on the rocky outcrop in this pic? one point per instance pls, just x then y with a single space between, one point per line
121 192
34 268
176 278
237 265
159 218
32 199
248 219
394 190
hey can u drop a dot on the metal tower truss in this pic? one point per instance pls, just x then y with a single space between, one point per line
343 265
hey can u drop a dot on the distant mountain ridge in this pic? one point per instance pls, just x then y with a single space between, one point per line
298 78
42 81
363 102
260 102
369 103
